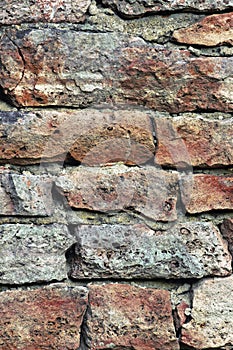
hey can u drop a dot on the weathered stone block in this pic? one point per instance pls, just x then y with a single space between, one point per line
33 253
45 318
227 232
109 68
25 194
188 250
148 191
198 140
124 316
13 12
210 31
209 192
90 136
211 322
136 8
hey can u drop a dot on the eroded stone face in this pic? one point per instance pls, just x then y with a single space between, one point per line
209 192
131 317
211 322
45 318
210 31
149 191
190 139
140 7
109 68
188 250
90 136
13 12
33 253
227 232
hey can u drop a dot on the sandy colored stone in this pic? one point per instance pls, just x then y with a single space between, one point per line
148 191
123 316
33 253
211 31
211 322
188 250
208 192
136 8
25 194
45 318
198 140
90 136
14 12
227 232
112 68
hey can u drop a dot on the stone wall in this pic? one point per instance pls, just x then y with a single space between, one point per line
116 186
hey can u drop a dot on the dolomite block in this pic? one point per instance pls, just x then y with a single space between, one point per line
211 31
25 194
149 191
33 253
208 192
187 250
211 322
137 8
198 140
111 67
45 318
123 316
14 12
90 136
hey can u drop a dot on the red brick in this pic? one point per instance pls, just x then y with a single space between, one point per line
46 318
210 31
131 317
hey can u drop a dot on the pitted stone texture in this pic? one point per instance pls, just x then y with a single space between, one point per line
211 31
188 250
33 253
199 140
211 322
209 192
109 68
14 12
227 232
90 136
25 194
129 8
124 316
45 318
148 191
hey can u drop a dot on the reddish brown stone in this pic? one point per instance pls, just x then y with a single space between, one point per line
149 191
102 136
13 12
209 192
130 317
137 8
46 318
227 232
197 140
210 31
110 67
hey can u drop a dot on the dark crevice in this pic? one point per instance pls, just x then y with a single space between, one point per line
5 98
85 339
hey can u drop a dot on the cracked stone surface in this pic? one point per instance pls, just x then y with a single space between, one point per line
14 12
149 191
44 318
211 322
33 253
210 31
195 139
208 192
124 316
109 68
25 194
90 136
135 8
188 250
